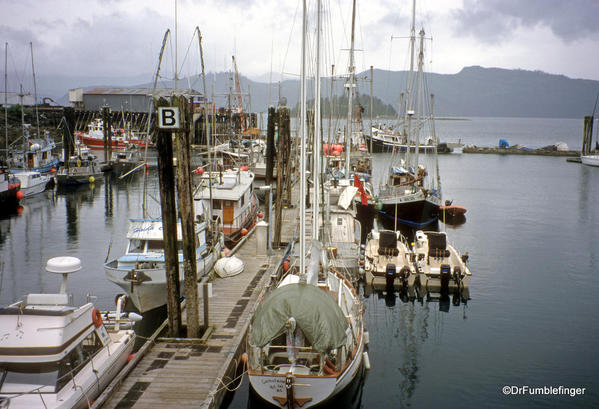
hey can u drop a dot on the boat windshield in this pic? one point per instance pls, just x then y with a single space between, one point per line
19 377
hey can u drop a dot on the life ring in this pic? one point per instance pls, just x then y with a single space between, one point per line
96 318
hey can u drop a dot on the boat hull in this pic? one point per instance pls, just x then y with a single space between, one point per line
308 390
414 213
98 143
591 160
382 146
146 288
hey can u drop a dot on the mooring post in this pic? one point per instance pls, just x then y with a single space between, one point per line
184 187
166 178
270 145
283 113
68 139
107 134
587 135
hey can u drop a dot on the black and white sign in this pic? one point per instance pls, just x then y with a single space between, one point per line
168 118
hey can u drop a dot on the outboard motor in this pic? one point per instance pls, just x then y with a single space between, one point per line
404 273
445 277
390 275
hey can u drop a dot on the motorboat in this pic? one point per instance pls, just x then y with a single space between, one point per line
387 261
141 271
80 169
233 201
33 182
125 160
439 266
55 355
306 339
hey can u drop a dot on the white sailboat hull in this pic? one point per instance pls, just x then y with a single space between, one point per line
591 160
313 390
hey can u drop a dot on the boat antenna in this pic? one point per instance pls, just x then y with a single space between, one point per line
37 115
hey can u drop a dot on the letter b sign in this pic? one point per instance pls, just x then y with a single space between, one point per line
168 118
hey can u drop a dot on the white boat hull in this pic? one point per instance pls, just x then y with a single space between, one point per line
591 160
312 390
147 291
90 382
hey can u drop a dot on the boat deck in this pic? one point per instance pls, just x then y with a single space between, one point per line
191 373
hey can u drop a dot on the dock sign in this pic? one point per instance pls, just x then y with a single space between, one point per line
168 118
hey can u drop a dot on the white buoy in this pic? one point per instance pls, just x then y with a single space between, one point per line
366 360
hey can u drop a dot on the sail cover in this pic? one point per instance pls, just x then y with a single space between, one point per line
315 312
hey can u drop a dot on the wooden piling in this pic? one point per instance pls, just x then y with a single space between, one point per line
270 144
184 188
107 134
164 146
68 138
587 136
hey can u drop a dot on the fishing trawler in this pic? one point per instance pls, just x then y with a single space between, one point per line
233 201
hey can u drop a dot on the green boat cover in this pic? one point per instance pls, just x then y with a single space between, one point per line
315 313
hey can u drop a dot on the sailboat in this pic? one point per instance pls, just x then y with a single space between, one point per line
306 338
412 192
588 155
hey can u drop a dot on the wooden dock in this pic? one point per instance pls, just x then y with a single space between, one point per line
192 373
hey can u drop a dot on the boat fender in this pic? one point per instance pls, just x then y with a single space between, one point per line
96 318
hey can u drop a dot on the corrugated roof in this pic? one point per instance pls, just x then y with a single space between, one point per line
139 91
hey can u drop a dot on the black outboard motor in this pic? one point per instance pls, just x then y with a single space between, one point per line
390 275
445 277
404 273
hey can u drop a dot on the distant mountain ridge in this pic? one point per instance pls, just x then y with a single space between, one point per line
474 91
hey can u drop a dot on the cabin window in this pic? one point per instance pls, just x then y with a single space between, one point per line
154 245
216 204
136 246
20 377
242 201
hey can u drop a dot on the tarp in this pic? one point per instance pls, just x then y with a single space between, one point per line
315 313
503 143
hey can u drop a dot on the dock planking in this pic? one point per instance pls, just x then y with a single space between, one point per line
190 373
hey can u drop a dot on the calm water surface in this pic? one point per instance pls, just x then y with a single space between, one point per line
532 231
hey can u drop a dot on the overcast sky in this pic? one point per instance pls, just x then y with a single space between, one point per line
123 37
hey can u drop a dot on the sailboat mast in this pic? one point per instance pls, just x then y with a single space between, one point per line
303 144
176 46
351 92
317 137
420 98
409 110
206 123
6 98
37 116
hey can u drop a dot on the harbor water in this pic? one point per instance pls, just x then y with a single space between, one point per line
531 230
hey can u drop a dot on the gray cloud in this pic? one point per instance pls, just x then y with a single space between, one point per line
492 20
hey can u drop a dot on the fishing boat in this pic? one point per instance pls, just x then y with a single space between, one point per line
125 160
388 261
9 192
411 194
439 266
55 355
37 155
33 182
121 138
233 201
306 339
141 271
389 140
79 170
